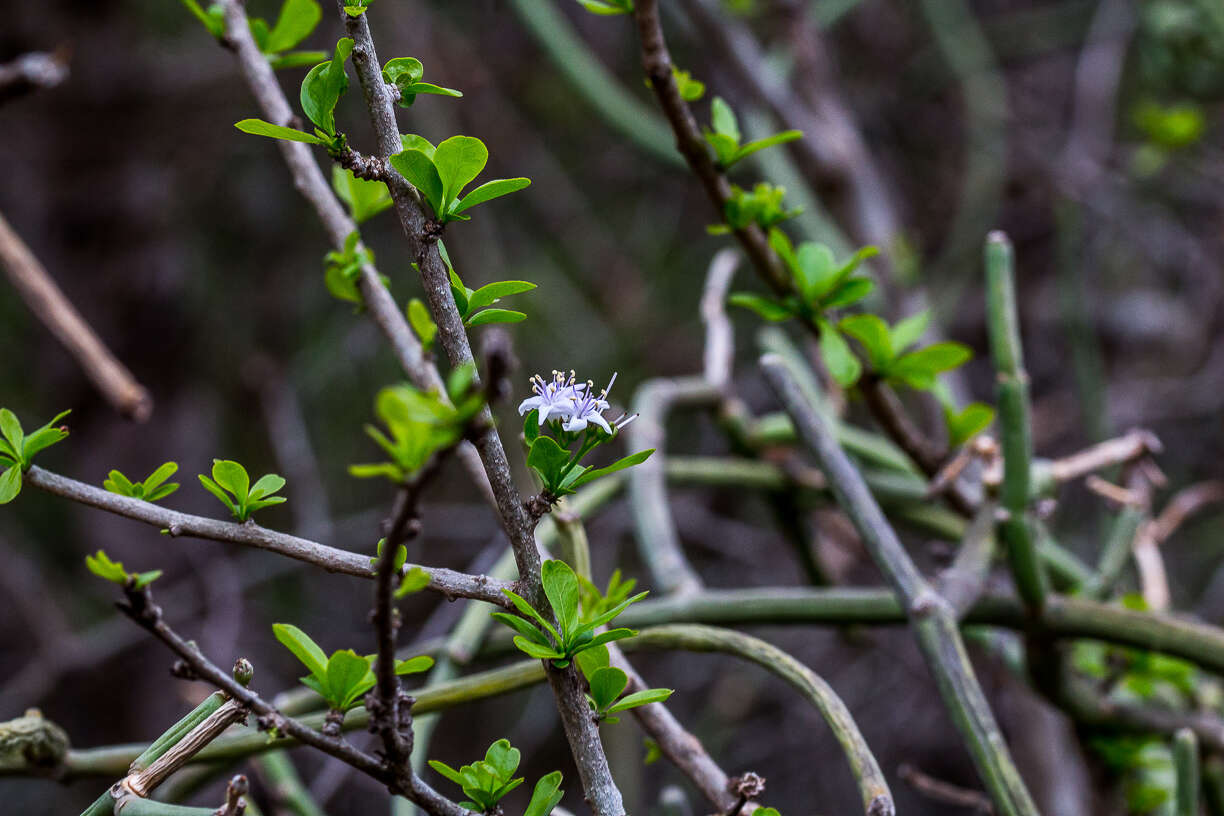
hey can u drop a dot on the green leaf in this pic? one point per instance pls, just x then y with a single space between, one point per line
769 141
608 615
296 20
786 251
523 627
102 566
909 330
529 611
412 141
414 665
548 459
323 87
592 660
918 368
609 636
403 70
160 475
447 771
365 199
231 476
259 127
296 59
458 160
10 426
546 795
419 170
116 482
267 485
348 677
725 147
215 23
767 308
815 270
591 474
723 119
607 8
422 324
641 698
143 579
849 292
873 333
161 492
533 649
495 316
561 587
43 438
606 685
690 89
503 758
415 580
215 489
10 484
409 93
489 191
303 647
491 293
975 418
842 363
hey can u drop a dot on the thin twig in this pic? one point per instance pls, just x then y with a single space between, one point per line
448 582
1130 446
945 792
49 305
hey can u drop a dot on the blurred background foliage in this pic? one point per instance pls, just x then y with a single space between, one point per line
1090 130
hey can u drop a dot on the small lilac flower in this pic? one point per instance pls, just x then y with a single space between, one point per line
589 408
554 397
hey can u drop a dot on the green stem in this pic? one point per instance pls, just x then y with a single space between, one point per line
873 788
286 785
1186 761
1015 530
931 618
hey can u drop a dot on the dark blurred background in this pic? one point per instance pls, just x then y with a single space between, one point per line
1090 131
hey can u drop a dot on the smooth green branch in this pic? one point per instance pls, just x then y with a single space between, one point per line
1186 762
873 788
1015 424
930 616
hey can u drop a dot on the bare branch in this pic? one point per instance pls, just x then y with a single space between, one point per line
449 582
47 302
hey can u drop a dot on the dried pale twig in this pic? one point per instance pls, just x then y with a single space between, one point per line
1132 445
945 792
48 303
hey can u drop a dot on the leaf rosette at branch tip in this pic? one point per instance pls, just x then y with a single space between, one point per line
405 74
440 173
231 484
485 782
725 137
420 424
153 488
102 566
17 449
538 638
343 678
321 91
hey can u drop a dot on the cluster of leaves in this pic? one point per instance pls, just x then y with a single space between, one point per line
342 269
441 173
608 8
572 635
356 8
152 489
17 449
364 199
297 19
230 479
420 424
485 782
886 346
607 684
346 676
321 91
725 138
557 461
689 88
762 206
102 566
473 304
1145 765
821 285
405 74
